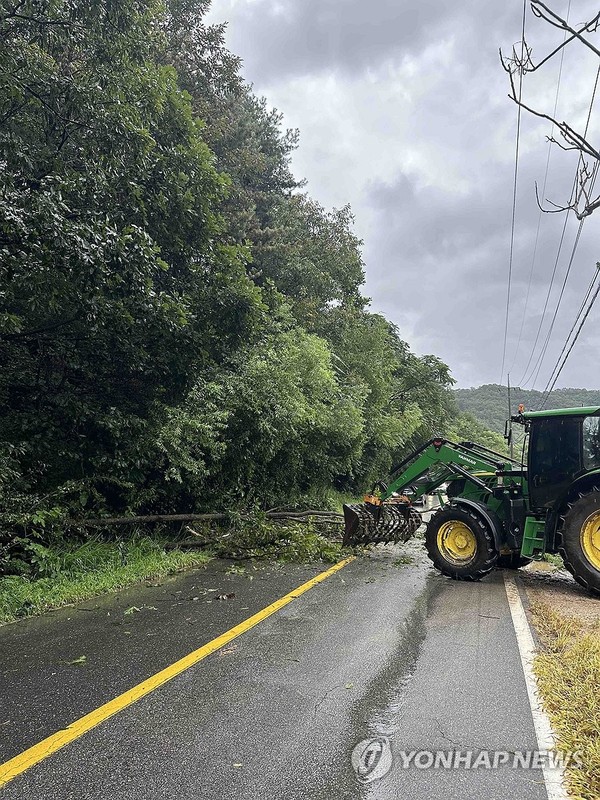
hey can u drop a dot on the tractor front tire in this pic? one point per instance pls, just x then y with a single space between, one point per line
460 544
580 540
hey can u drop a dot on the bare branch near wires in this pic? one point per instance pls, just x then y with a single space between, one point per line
573 139
556 210
542 11
581 202
527 64
517 64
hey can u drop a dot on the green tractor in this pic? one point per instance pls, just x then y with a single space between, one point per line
498 513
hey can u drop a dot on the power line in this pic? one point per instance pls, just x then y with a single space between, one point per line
558 303
539 221
582 306
525 380
514 202
540 359
566 278
577 317
550 386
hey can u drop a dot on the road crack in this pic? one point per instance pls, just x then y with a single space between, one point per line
320 702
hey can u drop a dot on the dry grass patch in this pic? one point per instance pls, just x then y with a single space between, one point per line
568 673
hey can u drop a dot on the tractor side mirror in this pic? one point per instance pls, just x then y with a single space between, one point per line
507 431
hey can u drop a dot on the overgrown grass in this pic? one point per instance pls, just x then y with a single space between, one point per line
64 573
568 673
75 573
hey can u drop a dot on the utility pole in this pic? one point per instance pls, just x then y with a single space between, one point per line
510 437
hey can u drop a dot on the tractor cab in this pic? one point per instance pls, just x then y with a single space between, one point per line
564 446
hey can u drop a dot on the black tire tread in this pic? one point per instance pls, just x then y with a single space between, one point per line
485 565
569 541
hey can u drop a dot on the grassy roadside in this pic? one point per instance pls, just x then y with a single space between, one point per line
61 574
568 673
89 570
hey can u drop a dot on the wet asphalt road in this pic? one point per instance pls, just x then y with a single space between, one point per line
380 649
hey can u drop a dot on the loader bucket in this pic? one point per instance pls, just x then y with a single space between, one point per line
379 524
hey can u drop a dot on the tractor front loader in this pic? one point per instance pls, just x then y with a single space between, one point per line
498 513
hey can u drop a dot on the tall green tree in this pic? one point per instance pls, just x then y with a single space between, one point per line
112 260
181 325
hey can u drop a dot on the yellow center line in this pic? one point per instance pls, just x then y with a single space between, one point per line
33 755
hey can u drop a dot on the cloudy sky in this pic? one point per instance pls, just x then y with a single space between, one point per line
403 112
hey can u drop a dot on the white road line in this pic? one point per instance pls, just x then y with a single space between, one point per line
554 778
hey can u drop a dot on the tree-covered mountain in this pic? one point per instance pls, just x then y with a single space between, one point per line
489 403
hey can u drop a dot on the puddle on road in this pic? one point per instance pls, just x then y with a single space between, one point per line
375 723
377 716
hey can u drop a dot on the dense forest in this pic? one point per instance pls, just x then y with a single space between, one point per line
489 403
181 326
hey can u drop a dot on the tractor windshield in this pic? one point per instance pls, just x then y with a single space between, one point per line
591 443
555 457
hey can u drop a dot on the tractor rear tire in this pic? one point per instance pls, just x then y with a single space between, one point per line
460 544
512 561
580 540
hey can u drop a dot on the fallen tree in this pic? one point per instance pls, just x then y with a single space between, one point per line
292 516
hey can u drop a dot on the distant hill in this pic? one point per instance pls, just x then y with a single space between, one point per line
489 403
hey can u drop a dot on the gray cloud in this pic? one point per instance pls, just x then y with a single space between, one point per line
403 112
301 37
437 265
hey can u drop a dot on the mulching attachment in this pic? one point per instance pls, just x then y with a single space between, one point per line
370 524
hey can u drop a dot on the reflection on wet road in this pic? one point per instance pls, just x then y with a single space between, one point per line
325 700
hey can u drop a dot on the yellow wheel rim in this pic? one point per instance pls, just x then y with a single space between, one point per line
590 539
457 543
